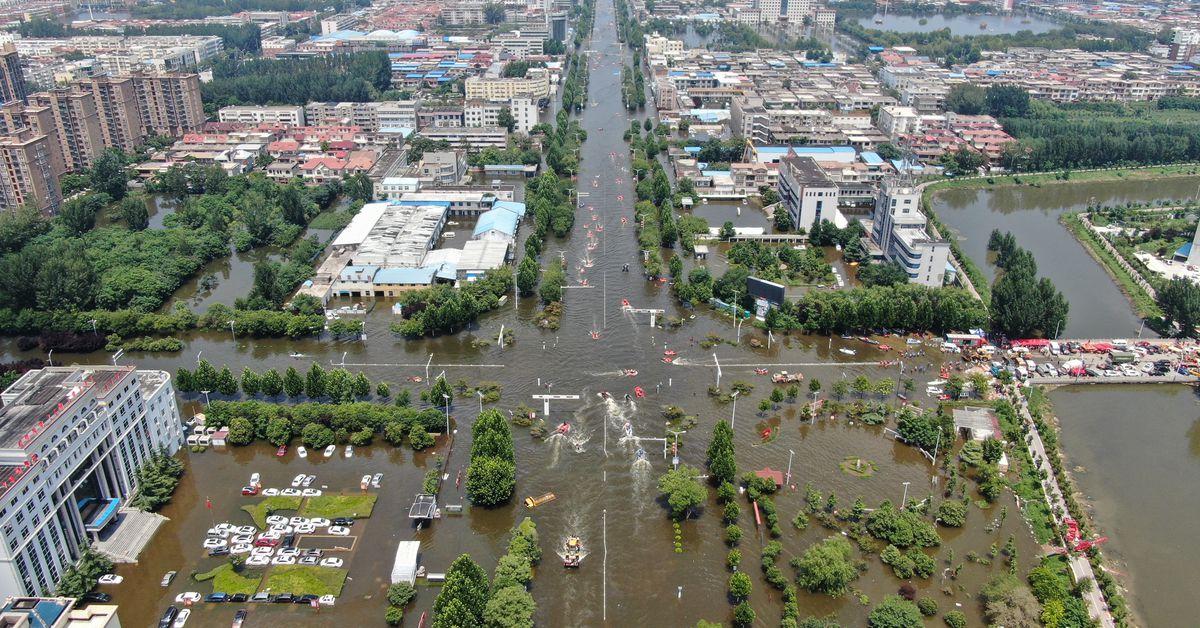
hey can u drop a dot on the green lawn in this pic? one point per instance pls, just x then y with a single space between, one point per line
226 580
306 580
259 512
333 506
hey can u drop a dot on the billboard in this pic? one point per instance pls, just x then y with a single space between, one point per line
768 291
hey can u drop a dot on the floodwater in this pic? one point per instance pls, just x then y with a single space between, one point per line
1134 452
635 578
1098 308
963 24
718 213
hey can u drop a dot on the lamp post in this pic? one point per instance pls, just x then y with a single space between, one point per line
198 357
94 331
427 363
904 499
675 453
479 394
50 357
791 454
447 399
231 330
733 415
205 393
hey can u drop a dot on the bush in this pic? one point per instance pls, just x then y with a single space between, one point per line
394 616
733 534
734 558
952 513
400 594
928 606
955 619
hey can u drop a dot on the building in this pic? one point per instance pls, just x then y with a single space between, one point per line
78 123
289 115
339 22
482 113
899 230
56 612
522 43
16 116
659 45
807 192
469 137
443 167
117 110
27 172
12 81
169 103
896 120
536 86
71 441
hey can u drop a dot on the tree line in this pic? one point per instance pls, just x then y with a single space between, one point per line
444 309
1023 304
492 472
357 77
199 9
319 425
244 37
467 599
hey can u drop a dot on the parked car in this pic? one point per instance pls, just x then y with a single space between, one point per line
305 599
283 598
219 551
217 598
110 578
261 596
93 598
266 541
339 531
249 490
168 617
187 597
343 521
238 598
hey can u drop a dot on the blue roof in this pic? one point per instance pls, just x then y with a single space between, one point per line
448 272
43 613
511 206
414 76
501 220
876 48
406 276
351 271
871 158
402 131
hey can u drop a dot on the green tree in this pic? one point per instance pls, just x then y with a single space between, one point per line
840 388
441 394
952 513
895 612
955 619
740 586
727 231
226 383
251 382
722 466
510 607
279 431
314 382
467 585
527 275
684 493
361 386
523 541
827 567
134 212
512 570
1179 300
490 481
493 13
316 436
1007 101
966 98
241 432
293 384
783 218
382 390
505 119
109 174
418 438
206 376
400 594
743 614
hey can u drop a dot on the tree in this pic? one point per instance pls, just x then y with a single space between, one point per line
400 594
884 274
493 13
827 567
206 376
279 431
134 212
966 98
505 119
783 218
527 275
512 570
840 388
722 466
109 174
955 619
226 383
743 614
1179 300
490 481
241 432
316 436
952 513
440 393
361 386
383 391
78 215
419 438
727 231
895 612
467 585
740 585
683 491
293 385
1007 101
251 382
314 382
510 607
861 385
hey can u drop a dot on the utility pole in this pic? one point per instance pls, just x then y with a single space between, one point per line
788 481
904 499
231 330
733 415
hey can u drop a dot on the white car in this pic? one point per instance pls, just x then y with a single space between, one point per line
225 526
281 530
276 520
182 618
331 562
270 492
320 522
214 543
188 597
109 578
290 492
218 532
290 551
244 548
262 551
302 452
326 600
246 530
306 528
309 480
255 478
339 531
308 560
297 520
242 539
298 480
330 450
270 535
312 492
349 451
283 560
258 561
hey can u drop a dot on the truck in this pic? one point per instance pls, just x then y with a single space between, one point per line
1121 357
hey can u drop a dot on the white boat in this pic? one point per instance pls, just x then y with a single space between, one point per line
326 600
329 451
254 479
349 451
848 351
296 355
449 234
182 618
376 480
302 452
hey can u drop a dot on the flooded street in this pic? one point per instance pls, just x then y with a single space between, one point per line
1135 454
1098 308
964 24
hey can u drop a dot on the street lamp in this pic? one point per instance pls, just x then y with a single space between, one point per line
205 393
447 398
427 363
479 393
198 357
791 453
733 415
675 453
50 357
94 331
231 331
904 499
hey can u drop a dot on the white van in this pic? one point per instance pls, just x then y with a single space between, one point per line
1054 348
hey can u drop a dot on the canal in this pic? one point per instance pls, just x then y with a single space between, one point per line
1098 308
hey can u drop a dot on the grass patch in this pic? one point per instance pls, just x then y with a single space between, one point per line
306 580
333 506
331 220
260 511
1028 486
1143 303
226 580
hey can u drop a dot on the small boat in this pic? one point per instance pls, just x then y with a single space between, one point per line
330 450
629 373
847 351
449 234
349 452
639 392
365 482
302 452
668 360
595 335
760 371
534 502
983 26
913 341
604 394
296 355
640 454
376 479
572 552
279 453
670 353
167 578
563 428
239 618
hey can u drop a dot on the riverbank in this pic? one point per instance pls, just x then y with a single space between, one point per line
1141 300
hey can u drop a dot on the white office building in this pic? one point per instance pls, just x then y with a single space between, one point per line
807 192
899 229
483 113
71 439
289 115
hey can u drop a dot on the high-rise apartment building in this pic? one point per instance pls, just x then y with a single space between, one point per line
117 107
15 116
12 81
169 104
27 173
78 124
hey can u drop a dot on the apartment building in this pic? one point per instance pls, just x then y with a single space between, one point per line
121 55
899 230
522 43
463 13
72 440
665 46
289 115
536 86
12 81
27 173
895 121
117 106
469 137
78 123
56 612
482 113
807 192
169 104
15 117
339 22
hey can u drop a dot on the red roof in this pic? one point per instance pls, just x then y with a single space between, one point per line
767 473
